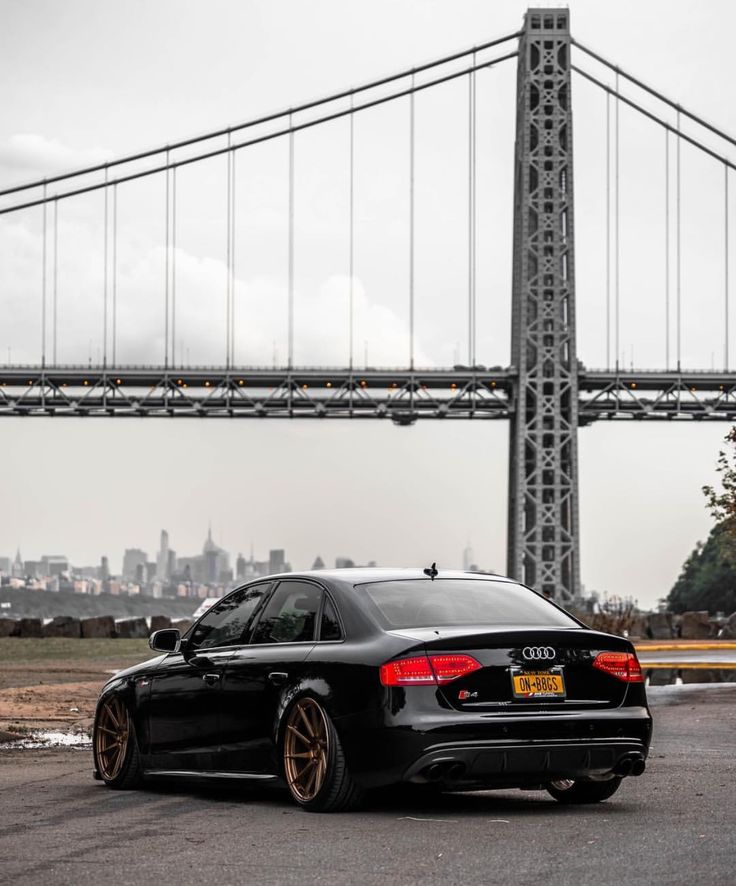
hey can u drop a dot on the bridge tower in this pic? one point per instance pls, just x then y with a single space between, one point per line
543 465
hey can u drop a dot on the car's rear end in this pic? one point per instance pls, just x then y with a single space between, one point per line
521 695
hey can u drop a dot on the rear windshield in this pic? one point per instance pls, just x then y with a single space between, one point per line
447 602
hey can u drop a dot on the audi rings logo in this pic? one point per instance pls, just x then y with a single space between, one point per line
538 653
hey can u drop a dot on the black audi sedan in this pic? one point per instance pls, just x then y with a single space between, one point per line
337 682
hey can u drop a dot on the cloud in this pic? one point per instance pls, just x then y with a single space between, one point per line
29 154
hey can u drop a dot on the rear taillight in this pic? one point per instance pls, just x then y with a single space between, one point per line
427 670
622 665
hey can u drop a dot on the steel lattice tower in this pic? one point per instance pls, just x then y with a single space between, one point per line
543 464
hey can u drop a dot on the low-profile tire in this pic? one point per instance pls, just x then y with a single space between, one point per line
114 745
573 791
313 760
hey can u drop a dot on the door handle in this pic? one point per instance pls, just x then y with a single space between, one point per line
278 678
210 679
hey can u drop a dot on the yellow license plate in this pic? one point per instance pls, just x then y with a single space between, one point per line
538 684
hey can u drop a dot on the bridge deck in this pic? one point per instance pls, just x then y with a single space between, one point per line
322 392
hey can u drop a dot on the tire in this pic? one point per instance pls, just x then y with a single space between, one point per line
576 792
322 783
115 747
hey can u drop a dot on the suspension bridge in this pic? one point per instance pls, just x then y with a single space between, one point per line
545 392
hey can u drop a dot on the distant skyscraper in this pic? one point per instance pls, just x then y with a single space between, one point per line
468 558
319 563
240 566
132 559
162 560
276 560
344 563
18 571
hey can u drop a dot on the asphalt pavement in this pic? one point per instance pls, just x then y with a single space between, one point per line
674 825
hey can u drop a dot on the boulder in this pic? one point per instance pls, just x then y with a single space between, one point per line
182 624
132 628
31 627
660 625
727 632
63 626
160 622
9 627
98 626
695 625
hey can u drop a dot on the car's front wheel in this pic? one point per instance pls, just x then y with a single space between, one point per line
567 790
117 759
313 760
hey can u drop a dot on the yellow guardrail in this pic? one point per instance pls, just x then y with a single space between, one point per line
684 646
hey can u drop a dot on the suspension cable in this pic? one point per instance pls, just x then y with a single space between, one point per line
411 227
678 248
43 285
267 118
726 266
667 247
608 231
290 332
351 257
471 215
663 98
63 195
651 116
56 275
114 274
617 227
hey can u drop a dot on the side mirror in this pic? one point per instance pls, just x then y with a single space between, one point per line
168 640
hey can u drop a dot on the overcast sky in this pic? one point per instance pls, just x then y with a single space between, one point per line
88 81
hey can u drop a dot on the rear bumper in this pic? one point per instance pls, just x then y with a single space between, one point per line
517 763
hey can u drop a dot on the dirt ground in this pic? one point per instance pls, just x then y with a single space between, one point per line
54 684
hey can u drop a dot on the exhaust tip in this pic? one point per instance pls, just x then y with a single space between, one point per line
638 766
624 767
434 772
456 771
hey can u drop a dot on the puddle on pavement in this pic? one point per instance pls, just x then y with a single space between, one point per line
47 738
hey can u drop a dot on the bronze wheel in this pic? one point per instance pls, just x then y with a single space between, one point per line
306 749
112 734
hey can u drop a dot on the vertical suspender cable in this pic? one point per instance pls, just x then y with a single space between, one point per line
232 260
56 275
617 337
608 230
166 282
667 248
411 225
43 283
114 275
228 280
290 343
471 214
173 266
105 275
678 250
726 267
351 259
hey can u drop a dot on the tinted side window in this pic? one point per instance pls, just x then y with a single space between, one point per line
226 622
291 614
330 627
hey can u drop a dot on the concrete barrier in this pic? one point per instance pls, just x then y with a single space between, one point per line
131 628
31 627
160 622
63 626
98 626
695 625
182 624
9 627
660 625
